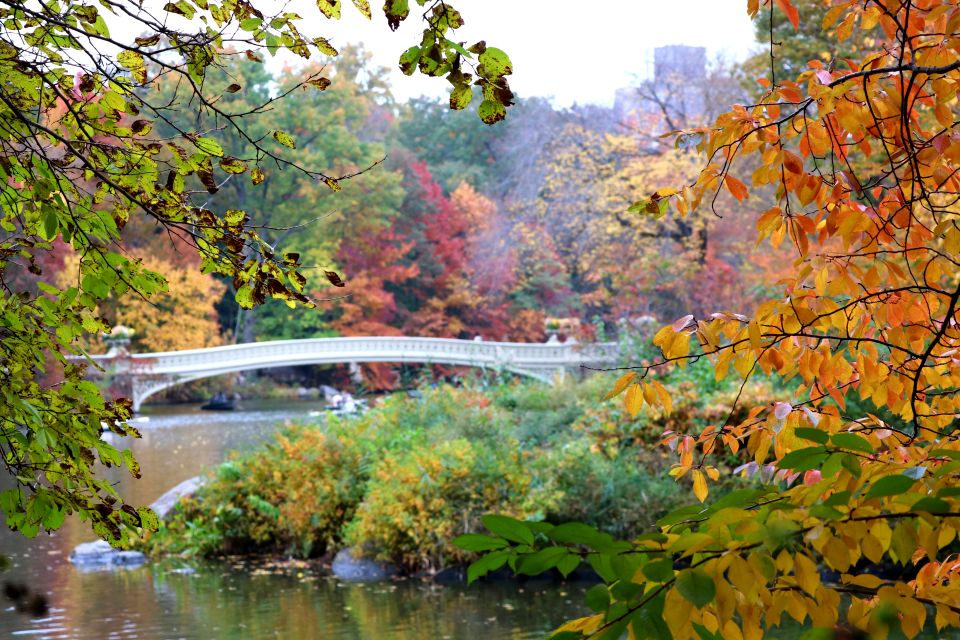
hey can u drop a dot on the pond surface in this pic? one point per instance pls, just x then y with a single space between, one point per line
174 600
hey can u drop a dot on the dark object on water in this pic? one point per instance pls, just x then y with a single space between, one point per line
26 601
220 402
227 405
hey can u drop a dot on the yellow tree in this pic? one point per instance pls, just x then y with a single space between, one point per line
180 315
183 316
858 527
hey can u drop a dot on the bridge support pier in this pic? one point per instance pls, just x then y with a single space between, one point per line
356 373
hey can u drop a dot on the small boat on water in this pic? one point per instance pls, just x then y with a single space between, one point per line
220 402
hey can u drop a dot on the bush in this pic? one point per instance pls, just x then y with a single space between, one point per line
291 497
418 500
622 495
402 480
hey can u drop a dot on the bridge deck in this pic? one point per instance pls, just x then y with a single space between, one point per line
151 372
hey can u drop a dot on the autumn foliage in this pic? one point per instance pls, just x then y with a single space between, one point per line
857 160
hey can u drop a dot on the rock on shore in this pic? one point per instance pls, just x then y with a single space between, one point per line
100 555
349 568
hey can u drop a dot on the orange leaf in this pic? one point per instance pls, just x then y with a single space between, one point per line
737 188
791 11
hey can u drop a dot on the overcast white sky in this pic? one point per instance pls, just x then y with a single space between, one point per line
573 50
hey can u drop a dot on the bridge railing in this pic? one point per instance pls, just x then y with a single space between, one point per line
384 349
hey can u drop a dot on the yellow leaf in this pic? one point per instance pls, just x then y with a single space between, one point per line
633 401
649 395
805 570
663 337
585 625
621 384
753 329
665 400
700 485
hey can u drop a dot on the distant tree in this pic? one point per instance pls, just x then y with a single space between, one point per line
183 316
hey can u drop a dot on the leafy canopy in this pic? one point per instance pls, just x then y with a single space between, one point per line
87 143
859 163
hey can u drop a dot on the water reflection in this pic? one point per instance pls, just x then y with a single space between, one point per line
232 601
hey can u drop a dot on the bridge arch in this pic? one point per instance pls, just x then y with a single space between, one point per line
150 373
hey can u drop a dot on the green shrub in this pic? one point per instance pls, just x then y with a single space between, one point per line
623 495
406 477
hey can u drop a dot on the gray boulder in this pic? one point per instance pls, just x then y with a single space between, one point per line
93 556
165 503
349 568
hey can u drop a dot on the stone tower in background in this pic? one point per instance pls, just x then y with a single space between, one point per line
677 88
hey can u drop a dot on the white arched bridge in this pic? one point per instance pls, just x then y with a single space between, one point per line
148 373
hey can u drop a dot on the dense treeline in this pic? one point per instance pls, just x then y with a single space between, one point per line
450 227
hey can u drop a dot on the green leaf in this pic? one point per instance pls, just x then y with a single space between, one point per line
491 112
803 459
396 12
244 297
706 634
233 165
52 518
738 498
51 223
679 515
660 570
409 60
460 97
132 465
931 505
536 563
323 45
495 63
133 62
696 586
840 498
235 217
578 533
486 564
478 542
209 146
285 139
814 435
598 597
890 486
456 46
853 442
329 8
509 528
568 564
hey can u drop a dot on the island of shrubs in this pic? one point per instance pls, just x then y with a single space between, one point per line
399 482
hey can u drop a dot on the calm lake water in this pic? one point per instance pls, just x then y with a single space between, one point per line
174 599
